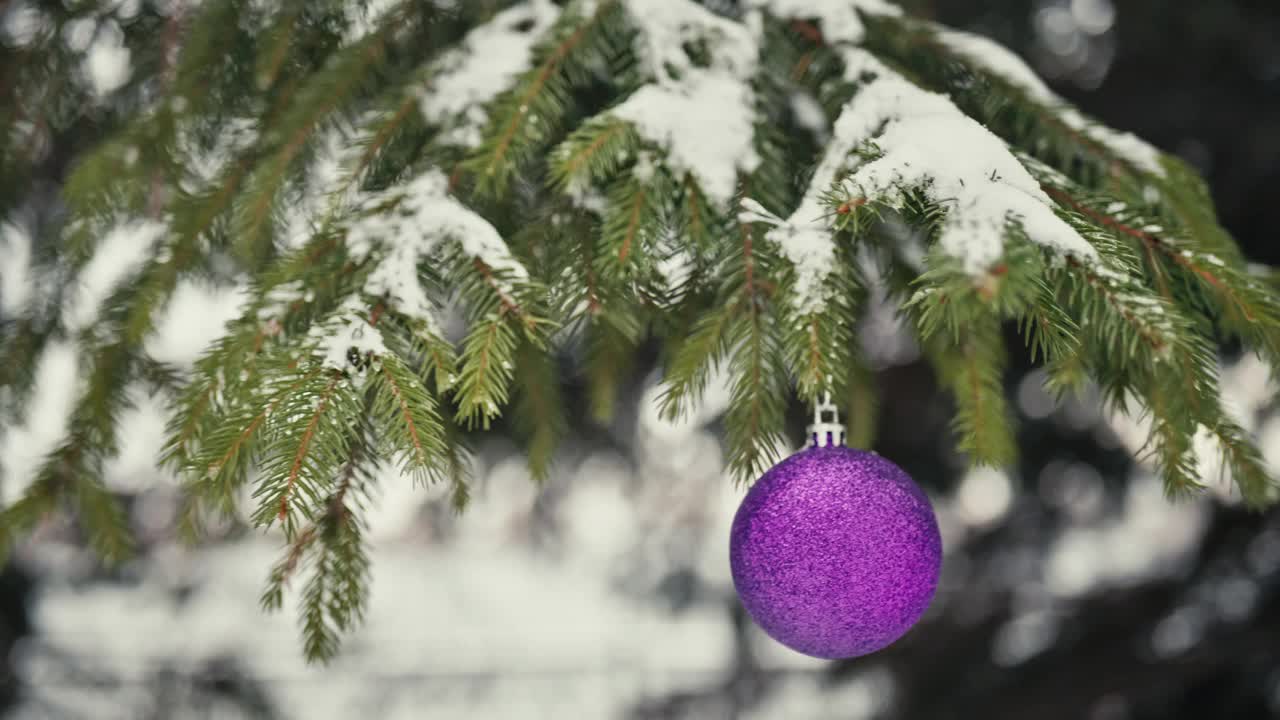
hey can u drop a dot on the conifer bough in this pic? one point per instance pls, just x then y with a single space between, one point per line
733 180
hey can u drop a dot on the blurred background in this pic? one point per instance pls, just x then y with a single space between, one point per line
1072 589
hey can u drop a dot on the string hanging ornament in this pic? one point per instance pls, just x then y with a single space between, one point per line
835 552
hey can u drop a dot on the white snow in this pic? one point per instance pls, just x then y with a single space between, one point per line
397 277
488 60
706 126
1006 64
702 116
752 211
423 219
21 24
119 254
806 243
927 144
984 497
666 25
49 408
645 166
276 301
143 421
365 17
195 316
128 9
78 33
810 116
15 269
1093 16
838 18
348 330
107 63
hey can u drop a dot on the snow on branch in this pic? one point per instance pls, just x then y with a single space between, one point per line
487 62
408 224
919 141
929 144
701 110
345 337
123 251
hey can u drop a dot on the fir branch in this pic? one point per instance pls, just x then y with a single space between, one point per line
229 448
612 339
486 370
499 320
593 154
276 42
686 375
304 444
1247 309
971 364
539 96
309 441
539 408
633 215
755 421
1245 464
334 597
407 416
323 93
1050 333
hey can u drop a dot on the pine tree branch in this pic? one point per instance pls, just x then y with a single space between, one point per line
557 213
545 71
304 444
217 467
633 225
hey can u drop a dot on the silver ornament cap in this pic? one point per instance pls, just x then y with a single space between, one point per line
826 431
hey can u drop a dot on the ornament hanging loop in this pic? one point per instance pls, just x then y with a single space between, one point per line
826 430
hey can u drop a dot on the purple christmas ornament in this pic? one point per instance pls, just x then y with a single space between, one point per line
835 552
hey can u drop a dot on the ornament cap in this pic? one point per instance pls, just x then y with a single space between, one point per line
826 432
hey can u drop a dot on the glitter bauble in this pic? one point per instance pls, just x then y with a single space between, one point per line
835 552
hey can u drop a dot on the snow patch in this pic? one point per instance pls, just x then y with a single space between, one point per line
810 116
120 254
195 316
411 223
706 126
489 59
201 166
702 116
645 167
107 63
925 143
78 33
666 26
23 447
15 269
330 188
21 24
364 18
337 338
